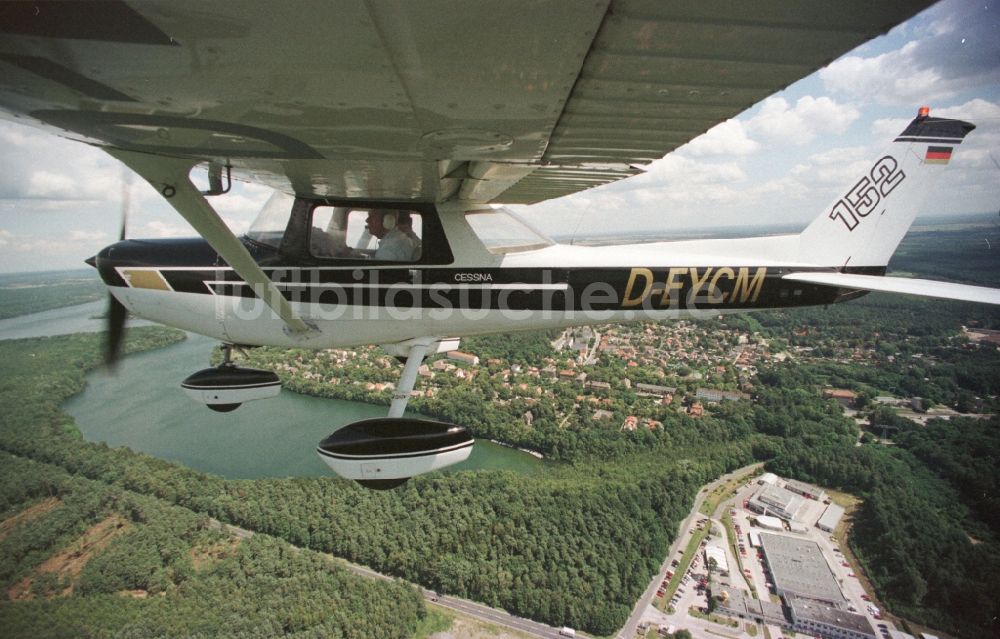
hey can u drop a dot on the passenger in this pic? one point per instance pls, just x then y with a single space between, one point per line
394 245
405 224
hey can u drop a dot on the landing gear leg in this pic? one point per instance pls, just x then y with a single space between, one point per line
227 355
409 377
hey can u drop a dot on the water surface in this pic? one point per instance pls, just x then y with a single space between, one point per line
141 405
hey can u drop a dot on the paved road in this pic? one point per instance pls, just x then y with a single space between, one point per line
464 606
493 615
644 603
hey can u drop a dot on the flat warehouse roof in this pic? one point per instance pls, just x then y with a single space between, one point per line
794 484
804 609
785 499
831 517
799 568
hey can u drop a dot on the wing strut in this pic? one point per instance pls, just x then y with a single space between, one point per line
170 177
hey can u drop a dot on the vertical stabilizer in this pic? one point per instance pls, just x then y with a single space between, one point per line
863 227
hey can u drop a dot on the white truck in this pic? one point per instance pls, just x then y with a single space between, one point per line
566 631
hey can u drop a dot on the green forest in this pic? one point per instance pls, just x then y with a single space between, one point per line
156 567
574 544
35 292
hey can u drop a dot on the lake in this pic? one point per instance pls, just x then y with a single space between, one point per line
142 406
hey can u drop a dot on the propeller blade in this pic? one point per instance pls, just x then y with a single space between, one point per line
117 314
126 199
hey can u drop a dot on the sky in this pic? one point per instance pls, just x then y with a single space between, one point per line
782 162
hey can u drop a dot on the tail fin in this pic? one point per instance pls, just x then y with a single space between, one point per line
864 226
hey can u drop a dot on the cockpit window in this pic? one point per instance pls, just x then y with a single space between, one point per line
387 235
271 222
502 231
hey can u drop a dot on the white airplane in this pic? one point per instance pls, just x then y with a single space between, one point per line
393 133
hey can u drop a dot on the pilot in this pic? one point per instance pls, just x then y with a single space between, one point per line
394 245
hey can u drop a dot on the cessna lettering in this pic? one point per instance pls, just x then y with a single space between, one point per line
473 277
709 285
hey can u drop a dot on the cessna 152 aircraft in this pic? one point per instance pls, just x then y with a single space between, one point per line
392 133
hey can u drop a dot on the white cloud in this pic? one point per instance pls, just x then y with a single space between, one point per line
727 138
676 171
780 122
89 236
957 51
973 110
33 244
888 128
37 164
160 229
889 78
51 186
835 166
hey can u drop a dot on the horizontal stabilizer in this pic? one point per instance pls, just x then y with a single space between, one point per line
926 288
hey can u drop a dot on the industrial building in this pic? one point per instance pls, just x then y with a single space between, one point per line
814 603
714 395
767 478
806 490
770 523
798 569
775 501
816 619
642 389
796 527
717 553
736 603
831 517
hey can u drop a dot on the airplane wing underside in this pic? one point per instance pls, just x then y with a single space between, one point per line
515 102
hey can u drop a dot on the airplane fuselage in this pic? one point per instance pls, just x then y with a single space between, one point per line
183 283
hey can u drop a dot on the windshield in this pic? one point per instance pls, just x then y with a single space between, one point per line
269 227
502 231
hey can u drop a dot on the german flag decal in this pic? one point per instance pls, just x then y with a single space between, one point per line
938 155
